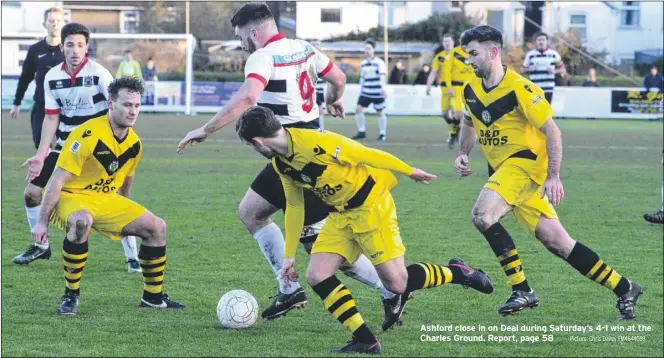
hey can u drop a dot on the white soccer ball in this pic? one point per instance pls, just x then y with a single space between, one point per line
237 309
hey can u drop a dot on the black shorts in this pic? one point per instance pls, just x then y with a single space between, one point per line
548 96
320 98
47 170
378 103
37 120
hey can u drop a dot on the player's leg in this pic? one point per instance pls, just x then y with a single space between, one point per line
74 254
539 218
263 199
36 122
658 217
445 109
333 247
320 101
384 246
379 105
496 199
362 103
131 254
32 197
456 103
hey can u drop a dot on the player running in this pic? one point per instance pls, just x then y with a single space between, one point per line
437 70
456 72
355 181
74 92
523 147
89 189
280 75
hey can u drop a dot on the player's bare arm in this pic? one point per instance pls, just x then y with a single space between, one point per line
243 99
50 200
294 222
432 77
35 163
337 84
125 189
553 187
466 142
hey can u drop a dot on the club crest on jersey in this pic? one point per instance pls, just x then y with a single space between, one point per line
306 179
486 116
113 166
87 81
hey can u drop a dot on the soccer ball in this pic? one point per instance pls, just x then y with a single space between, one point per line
237 309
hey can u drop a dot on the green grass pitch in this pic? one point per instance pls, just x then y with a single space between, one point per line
611 172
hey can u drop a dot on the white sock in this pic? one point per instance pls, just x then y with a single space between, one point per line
271 241
321 121
382 124
33 217
365 272
129 246
359 119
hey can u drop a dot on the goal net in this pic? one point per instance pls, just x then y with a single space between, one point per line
172 55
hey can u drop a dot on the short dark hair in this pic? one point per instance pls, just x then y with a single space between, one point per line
251 12
482 34
74 28
371 42
257 122
540 34
130 83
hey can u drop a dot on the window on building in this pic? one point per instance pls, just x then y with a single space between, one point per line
129 21
330 15
67 16
577 23
630 14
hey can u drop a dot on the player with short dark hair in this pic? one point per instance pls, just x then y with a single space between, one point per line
90 188
523 147
542 64
355 181
373 86
437 66
280 74
456 72
74 92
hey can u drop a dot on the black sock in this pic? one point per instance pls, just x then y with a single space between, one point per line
588 263
503 247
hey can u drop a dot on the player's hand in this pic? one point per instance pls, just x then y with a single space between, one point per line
421 176
336 109
450 92
461 165
552 70
40 232
35 165
287 272
196 136
553 188
383 93
428 90
15 111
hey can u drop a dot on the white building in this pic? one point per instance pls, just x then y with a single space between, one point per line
22 16
619 27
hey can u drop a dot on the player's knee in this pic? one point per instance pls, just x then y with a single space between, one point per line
156 231
252 217
396 283
81 223
32 196
315 276
481 219
558 242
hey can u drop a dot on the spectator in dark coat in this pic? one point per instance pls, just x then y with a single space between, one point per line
653 80
422 76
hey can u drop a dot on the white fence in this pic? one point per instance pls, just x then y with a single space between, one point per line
568 102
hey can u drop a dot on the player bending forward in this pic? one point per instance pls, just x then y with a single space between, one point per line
280 75
523 146
98 162
74 92
355 181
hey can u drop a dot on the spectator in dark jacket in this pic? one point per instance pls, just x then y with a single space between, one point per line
653 80
591 81
422 76
398 75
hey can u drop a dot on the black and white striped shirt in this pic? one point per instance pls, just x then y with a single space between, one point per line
370 73
289 70
543 61
76 97
320 86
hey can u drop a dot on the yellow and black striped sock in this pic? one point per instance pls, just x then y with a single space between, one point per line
452 128
588 263
153 264
339 302
423 275
503 247
75 256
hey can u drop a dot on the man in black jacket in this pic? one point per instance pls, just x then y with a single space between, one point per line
41 57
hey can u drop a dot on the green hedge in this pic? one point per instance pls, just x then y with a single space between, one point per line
354 78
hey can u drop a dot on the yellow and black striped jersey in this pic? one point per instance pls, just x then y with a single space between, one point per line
456 69
437 65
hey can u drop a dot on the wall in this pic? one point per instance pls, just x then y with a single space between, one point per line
105 21
511 23
354 16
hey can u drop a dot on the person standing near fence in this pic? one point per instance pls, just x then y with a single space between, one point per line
542 65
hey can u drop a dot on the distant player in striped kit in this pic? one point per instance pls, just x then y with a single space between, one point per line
543 64
373 82
320 92
74 92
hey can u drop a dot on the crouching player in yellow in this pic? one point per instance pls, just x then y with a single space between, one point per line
355 181
89 189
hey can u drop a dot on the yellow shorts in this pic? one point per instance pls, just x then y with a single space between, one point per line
514 185
371 229
110 214
455 102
